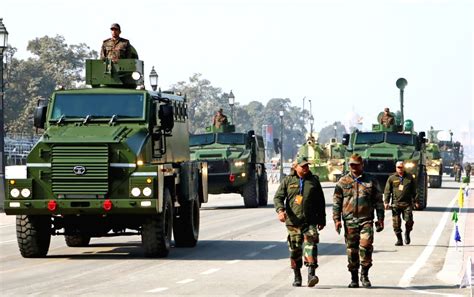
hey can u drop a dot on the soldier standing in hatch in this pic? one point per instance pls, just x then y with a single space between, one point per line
467 169
299 203
387 119
401 190
219 119
116 48
355 198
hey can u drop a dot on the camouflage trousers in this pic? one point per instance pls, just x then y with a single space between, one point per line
407 214
303 245
359 239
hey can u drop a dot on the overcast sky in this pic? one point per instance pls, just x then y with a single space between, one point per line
343 55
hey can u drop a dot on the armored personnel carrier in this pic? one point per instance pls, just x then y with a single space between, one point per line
384 146
434 165
113 160
316 155
236 162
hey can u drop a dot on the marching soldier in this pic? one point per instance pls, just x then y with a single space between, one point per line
400 189
299 202
355 198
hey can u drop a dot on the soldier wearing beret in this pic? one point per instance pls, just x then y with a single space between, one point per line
116 48
356 197
299 202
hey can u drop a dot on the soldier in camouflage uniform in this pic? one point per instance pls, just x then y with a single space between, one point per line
401 190
387 119
300 203
117 47
356 196
219 119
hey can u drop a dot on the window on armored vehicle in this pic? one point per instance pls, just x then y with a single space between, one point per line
369 138
231 138
201 139
400 138
78 106
448 156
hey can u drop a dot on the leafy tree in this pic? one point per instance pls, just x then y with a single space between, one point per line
53 63
327 132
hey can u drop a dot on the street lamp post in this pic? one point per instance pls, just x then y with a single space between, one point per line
153 78
281 145
3 46
231 103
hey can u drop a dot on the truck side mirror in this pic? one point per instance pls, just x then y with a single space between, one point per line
39 118
345 139
166 116
276 145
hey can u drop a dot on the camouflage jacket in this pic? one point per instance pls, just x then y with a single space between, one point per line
357 198
312 208
387 120
116 49
219 120
401 190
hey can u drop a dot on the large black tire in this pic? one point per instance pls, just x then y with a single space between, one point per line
157 230
251 191
34 235
186 224
422 188
77 240
263 189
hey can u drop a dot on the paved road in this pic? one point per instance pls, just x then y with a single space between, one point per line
241 252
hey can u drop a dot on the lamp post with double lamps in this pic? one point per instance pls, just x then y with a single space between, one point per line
3 46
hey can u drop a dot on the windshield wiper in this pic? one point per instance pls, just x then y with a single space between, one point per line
87 119
113 119
61 119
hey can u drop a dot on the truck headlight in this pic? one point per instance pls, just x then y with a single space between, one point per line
25 193
135 192
147 191
409 165
239 164
15 193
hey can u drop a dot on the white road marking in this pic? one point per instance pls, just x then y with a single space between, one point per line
421 260
8 241
269 247
436 293
233 261
185 281
157 290
252 254
9 225
209 271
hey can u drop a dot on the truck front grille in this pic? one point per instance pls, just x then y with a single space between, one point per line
379 166
215 167
80 170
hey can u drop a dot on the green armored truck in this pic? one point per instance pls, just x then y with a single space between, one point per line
434 165
385 145
236 162
316 155
113 160
335 163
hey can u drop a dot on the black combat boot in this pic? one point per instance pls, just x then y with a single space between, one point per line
364 277
312 278
407 237
354 279
399 239
298 279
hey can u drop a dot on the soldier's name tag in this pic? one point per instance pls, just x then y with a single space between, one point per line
298 199
400 187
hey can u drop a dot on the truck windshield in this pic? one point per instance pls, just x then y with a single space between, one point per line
369 138
399 138
231 138
447 155
201 139
98 106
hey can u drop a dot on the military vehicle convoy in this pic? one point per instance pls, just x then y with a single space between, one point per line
335 163
384 146
451 153
113 160
236 162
